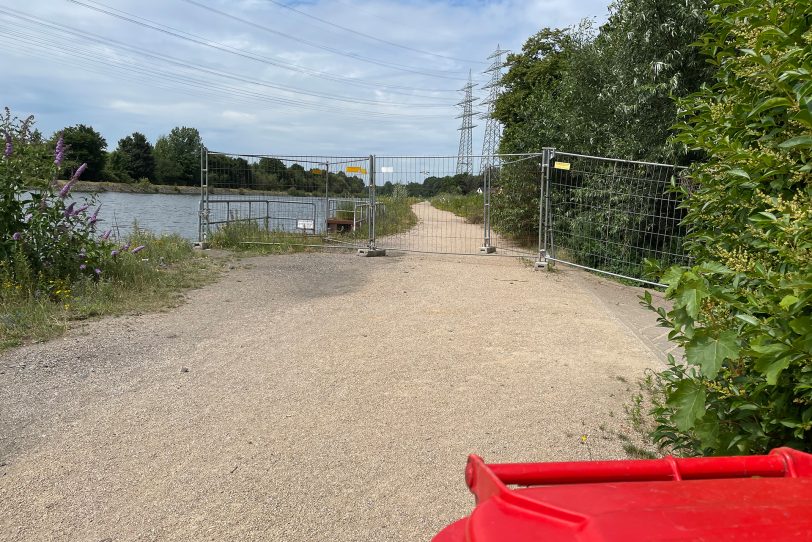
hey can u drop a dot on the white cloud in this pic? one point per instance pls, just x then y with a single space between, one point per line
239 117
84 73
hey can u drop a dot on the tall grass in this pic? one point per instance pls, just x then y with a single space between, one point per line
470 207
152 279
395 215
248 236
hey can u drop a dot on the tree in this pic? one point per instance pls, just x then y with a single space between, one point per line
743 313
84 146
177 156
134 157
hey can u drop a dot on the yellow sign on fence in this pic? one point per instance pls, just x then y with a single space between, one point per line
562 165
316 171
356 169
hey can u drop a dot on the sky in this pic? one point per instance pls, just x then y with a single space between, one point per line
324 77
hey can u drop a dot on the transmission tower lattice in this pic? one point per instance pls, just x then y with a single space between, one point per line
490 143
465 162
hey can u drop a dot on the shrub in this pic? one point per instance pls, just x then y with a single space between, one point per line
743 313
47 239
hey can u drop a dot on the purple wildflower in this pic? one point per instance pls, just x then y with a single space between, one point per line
17 236
82 267
113 253
125 247
59 154
97 271
66 189
138 249
69 209
81 209
9 146
78 172
106 235
94 217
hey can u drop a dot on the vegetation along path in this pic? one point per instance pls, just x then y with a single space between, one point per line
310 396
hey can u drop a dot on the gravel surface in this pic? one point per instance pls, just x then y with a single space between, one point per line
310 396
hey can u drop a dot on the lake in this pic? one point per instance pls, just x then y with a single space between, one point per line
178 213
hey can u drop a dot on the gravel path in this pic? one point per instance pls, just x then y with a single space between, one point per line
310 396
439 231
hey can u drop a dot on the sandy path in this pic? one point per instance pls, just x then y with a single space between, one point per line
327 397
439 231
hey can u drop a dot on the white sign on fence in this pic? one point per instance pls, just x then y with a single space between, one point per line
387 169
305 225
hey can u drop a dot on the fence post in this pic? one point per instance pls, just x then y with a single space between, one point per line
326 199
544 205
486 247
371 249
203 211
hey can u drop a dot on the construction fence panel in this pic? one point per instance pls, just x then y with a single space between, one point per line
435 204
320 200
610 215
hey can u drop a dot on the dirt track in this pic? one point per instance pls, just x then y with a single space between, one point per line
327 397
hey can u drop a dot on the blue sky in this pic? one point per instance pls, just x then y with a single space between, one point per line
350 77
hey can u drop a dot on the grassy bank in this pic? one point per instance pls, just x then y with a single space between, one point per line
395 215
469 207
151 280
252 238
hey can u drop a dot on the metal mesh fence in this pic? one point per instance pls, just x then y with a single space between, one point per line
251 196
603 214
447 211
611 215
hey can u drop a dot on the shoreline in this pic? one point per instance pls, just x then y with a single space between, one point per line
95 187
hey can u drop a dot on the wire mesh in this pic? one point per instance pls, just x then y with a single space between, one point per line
424 205
249 197
611 215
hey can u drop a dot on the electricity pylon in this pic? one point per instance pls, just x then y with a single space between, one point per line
465 162
490 143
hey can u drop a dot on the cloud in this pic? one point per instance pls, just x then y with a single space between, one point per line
255 77
239 117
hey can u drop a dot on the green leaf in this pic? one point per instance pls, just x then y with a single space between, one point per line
710 353
688 402
715 267
770 103
739 173
798 141
771 368
690 299
772 349
750 319
673 276
802 325
788 301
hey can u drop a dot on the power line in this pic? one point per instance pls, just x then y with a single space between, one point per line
219 73
400 67
357 32
128 68
200 40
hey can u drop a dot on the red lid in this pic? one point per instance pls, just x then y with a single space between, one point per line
719 499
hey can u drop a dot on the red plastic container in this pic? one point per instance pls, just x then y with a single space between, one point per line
767 497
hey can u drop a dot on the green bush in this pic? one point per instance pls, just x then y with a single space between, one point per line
42 229
743 313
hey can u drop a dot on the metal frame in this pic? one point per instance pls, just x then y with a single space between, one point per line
637 194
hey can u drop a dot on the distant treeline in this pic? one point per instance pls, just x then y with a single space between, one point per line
274 175
462 183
